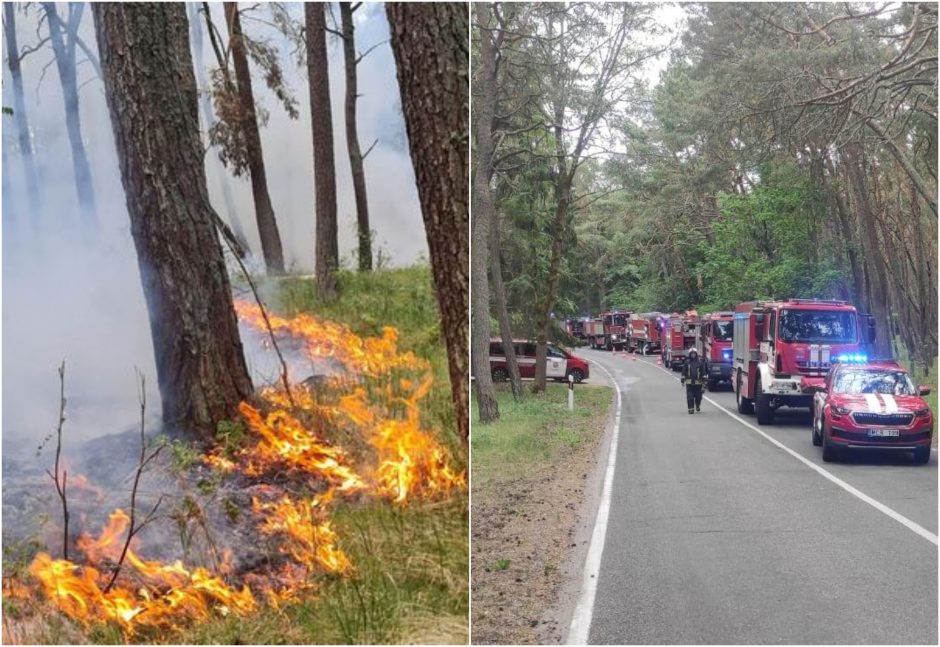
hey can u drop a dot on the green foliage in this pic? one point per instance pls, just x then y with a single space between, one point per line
184 455
231 436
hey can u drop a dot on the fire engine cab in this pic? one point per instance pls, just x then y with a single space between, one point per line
715 346
679 336
782 350
643 332
609 331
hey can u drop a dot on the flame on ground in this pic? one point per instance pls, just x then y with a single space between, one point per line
376 401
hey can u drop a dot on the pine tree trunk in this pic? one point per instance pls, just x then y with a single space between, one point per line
20 117
65 64
324 173
502 311
352 139
264 211
152 97
429 41
487 406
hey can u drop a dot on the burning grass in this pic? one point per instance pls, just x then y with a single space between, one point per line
357 487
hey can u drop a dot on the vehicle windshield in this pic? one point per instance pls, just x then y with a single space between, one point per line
817 326
617 320
885 381
555 351
722 330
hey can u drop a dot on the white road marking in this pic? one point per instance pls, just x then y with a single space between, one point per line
584 611
877 505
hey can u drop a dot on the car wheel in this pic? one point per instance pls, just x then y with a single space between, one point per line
711 385
765 413
922 455
817 425
745 405
577 375
666 361
830 453
500 374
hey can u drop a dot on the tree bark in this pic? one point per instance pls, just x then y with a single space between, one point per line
877 272
324 173
65 64
152 97
205 107
502 311
264 211
352 139
429 41
20 117
487 406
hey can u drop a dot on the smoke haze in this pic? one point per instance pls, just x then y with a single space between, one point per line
76 295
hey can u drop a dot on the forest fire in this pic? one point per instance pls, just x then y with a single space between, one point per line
374 404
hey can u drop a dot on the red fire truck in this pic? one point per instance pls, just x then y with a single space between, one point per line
575 327
678 336
643 332
609 330
715 346
782 350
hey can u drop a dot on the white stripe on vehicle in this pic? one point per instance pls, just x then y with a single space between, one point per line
891 405
873 404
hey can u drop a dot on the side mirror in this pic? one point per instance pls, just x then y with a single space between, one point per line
759 327
872 330
818 388
923 390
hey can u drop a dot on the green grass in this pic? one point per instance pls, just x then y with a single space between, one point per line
532 432
410 583
917 373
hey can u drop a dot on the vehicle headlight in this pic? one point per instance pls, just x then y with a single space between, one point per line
922 413
839 410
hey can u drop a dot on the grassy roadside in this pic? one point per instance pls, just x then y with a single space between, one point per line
410 563
531 433
529 473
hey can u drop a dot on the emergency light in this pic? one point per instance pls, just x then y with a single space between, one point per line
726 354
857 358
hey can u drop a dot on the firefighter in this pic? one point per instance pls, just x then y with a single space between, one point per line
693 376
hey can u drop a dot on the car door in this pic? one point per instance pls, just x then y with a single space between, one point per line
525 354
557 363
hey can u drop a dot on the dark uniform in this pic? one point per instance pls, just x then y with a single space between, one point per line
694 374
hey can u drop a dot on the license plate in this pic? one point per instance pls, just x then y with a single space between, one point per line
884 433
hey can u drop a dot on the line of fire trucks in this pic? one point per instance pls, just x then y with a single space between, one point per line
772 353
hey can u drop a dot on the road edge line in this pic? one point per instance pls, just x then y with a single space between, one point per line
580 627
911 525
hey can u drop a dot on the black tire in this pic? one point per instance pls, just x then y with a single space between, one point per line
745 405
577 374
817 439
921 455
765 413
666 361
830 452
711 385
500 374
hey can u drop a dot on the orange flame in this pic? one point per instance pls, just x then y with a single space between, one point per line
377 399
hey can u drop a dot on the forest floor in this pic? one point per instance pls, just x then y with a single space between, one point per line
530 470
410 562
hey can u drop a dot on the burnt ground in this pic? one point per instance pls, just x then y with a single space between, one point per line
527 542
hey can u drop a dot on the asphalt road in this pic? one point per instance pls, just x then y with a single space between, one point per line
716 535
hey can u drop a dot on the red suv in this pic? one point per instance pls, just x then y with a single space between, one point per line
561 363
871 405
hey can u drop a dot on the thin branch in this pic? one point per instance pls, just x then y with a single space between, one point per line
369 150
60 485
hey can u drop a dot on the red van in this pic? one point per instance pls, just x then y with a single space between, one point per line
561 363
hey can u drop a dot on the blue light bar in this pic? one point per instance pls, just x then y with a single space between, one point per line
857 358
